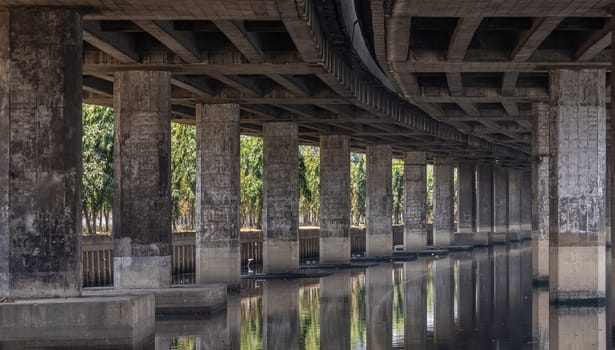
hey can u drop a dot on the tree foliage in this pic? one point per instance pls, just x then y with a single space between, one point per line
251 177
398 190
183 174
357 188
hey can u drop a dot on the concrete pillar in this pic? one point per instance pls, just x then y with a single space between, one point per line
465 197
444 323
526 201
281 314
500 199
485 198
415 206
443 202
540 192
334 199
577 186
142 170
280 197
217 195
335 309
514 200
415 303
379 227
379 305
40 152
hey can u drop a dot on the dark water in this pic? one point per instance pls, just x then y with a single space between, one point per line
482 299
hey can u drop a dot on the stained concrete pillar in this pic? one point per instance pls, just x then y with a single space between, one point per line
335 309
280 197
142 175
415 205
40 152
577 185
526 202
443 202
415 303
281 314
217 190
484 198
500 199
379 222
540 192
379 305
465 197
514 201
334 199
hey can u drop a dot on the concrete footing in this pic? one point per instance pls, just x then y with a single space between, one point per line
483 239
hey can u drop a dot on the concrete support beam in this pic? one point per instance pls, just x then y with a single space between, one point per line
334 199
280 197
466 197
500 199
540 192
379 230
142 170
415 205
514 200
40 153
577 186
443 202
217 189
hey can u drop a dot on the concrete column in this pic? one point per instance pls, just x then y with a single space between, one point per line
500 199
415 302
142 170
379 305
280 197
335 309
485 198
281 314
540 192
514 201
443 202
217 195
415 206
334 199
465 197
40 152
577 186
379 228
526 201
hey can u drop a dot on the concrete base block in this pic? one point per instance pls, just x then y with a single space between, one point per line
142 272
513 236
280 256
203 299
379 245
109 321
463 238
526 234
496 237
335 250
476 239
218 265
577 275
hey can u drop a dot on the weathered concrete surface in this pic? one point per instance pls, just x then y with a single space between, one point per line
142 175
540 192
335 310
334 199
218 250
526 201
379 201
40 152
443 202
281 314
514 200
578 328
465 198
379 307
280 197
500 199
484 198
415 302
86 321
540 317
415 200
577 179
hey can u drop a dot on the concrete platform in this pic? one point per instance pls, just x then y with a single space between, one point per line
177 300
284 276
336 266
497 238
459 248
513 236
112 322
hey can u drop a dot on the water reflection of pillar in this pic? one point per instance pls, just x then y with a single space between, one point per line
540 318
335 311
415 302
281 314
500 290
577 328
379 288
211 333
443 300
526 288
465 286
484 289
515 312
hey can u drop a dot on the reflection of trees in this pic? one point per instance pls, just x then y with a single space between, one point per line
398 302
309 317
183 343
251 323
358 315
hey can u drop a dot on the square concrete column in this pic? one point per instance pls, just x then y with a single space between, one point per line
334 199
379 230
217 195
500 199
40 153
443 202
415 200
484 198
540 192
280 197
526 201
142 170
577 186
514 200
466 197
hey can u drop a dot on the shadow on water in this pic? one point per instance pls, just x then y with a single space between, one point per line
480 299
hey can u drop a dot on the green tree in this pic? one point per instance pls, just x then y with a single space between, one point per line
429 180
309 184
251 174
183 173
398 189
358 189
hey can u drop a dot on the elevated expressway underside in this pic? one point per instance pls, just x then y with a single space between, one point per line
454 78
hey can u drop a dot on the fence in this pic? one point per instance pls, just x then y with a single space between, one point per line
98 252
